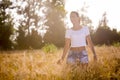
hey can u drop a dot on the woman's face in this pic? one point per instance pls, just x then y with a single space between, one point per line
74 18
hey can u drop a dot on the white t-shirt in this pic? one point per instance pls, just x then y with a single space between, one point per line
77 37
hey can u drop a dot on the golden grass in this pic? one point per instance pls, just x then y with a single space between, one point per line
37 65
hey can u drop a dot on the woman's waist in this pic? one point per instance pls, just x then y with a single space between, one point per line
78 44
78 48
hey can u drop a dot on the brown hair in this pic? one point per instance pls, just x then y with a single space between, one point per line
75 13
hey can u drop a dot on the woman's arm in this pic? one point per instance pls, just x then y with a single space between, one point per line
65 50
90 44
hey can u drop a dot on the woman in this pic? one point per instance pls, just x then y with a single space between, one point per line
76 39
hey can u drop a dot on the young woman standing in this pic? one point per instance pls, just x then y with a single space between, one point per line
76 40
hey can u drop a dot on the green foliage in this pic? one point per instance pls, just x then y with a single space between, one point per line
116 44
28 38
6 27
21 39
104 35
33 41
29 12
49 48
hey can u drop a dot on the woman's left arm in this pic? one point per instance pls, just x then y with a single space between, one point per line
90 44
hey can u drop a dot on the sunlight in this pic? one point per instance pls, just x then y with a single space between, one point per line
95 10
71 5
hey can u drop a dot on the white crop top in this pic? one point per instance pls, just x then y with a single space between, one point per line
78 37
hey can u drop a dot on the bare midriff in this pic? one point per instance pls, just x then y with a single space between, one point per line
78 48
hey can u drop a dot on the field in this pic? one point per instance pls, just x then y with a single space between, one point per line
38 65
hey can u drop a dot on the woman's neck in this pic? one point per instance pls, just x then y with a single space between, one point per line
76 27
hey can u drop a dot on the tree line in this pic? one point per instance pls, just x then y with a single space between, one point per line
105 35
42 22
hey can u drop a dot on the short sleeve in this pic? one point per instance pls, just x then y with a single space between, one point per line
67 34
87 32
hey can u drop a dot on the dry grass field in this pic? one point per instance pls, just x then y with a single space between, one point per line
38 65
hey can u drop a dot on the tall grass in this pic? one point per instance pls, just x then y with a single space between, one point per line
37 65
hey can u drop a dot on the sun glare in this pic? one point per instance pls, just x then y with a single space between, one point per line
95 10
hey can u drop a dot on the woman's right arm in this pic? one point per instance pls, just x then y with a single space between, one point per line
65 50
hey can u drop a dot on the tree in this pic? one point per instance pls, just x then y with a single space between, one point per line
31 11
6 27
21 39
115 36
55 15
32 41
35 40
103 34
102 29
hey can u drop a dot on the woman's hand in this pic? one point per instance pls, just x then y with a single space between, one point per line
60 61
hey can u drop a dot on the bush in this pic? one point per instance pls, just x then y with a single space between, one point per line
49 48
117 44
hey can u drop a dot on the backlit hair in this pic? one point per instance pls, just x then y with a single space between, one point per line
75 13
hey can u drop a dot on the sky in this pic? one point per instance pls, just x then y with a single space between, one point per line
95 10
